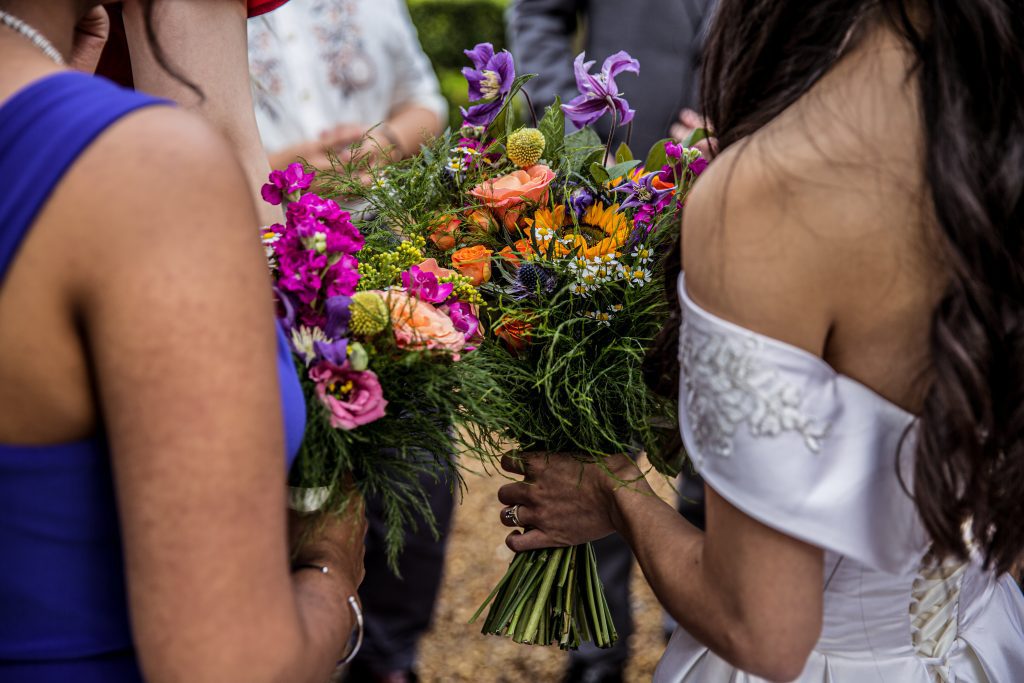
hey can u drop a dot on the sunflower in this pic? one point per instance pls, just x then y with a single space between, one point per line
609 223
548 219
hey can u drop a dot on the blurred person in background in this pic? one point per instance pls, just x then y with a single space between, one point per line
667 39
349 77
329 74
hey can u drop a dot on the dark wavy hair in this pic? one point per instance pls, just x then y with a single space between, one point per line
763 55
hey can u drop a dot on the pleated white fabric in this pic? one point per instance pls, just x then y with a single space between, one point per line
786 439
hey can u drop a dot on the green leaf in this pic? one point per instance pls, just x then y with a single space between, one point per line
553 128
696 136
619 170
585 139
623 153
657 157
582 148
599 174
504 122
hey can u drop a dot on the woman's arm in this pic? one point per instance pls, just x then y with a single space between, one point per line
749 593
206 42
171 288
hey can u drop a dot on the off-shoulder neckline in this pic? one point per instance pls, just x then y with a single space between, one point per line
786 347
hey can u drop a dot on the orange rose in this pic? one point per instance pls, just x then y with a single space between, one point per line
474 263
443 232
504 196
522 249
418 325
515 332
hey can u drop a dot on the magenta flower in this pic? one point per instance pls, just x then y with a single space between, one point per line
698 165
352 398
673 150
286 182
342 277
490 81
424 286
463 318
599 94
643 192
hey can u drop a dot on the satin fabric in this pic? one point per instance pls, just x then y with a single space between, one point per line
814 454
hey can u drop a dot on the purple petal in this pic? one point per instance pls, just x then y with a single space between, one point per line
335 352
271 194
482 114
584 110
480 54
338 314
505 67
584 81
618 63
625 114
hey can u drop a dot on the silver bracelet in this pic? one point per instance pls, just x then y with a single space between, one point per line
355 641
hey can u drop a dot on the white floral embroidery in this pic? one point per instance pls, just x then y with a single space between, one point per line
726 387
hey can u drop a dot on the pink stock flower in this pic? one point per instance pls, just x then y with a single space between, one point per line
286 182
463 318
353 398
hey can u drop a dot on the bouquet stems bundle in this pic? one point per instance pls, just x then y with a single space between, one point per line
551 597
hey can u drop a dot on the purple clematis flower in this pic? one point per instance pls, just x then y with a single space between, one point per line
599 94
490 80
643 193
425 287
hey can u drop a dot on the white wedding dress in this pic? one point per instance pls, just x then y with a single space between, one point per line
783 437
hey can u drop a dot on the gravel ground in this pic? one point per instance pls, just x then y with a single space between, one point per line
477 557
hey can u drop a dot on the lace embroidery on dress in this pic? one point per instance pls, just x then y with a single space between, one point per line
727 387
934 612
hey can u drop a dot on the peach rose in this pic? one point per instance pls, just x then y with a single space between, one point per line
515 333
480 221
475 263
443 232
430 265
418 325
505 195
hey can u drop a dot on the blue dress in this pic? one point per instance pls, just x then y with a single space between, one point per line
63 609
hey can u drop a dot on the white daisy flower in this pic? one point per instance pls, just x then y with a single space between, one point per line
643 254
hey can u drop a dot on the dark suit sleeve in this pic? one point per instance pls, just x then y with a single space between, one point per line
541 34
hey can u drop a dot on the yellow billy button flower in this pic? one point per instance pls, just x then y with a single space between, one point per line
370 314
525 147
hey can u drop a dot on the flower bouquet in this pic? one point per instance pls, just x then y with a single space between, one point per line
378 332
561 235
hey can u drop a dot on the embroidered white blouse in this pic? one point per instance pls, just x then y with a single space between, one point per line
316 64
781 435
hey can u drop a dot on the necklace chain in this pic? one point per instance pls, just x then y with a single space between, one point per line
37 38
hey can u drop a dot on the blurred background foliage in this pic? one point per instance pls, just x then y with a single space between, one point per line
446 28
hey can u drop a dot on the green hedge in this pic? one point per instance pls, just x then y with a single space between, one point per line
446 28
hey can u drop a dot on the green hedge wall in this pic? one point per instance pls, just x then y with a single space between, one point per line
446 28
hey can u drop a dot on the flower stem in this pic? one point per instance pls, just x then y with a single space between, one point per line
541 603
611 136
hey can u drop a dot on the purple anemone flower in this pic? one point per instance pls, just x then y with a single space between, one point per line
598 93
335 352
643 193
580 200
338 315
490 81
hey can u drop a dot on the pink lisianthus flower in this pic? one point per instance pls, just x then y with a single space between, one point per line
286 182
353 398
424 285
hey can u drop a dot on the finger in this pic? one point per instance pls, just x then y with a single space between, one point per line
691 119
534 539
514 494
523 515
513 463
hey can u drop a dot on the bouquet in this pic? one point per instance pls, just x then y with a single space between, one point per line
378 333
562 237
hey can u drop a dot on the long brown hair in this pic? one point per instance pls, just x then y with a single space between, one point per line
761 57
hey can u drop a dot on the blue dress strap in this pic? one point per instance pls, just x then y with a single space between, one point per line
43 129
